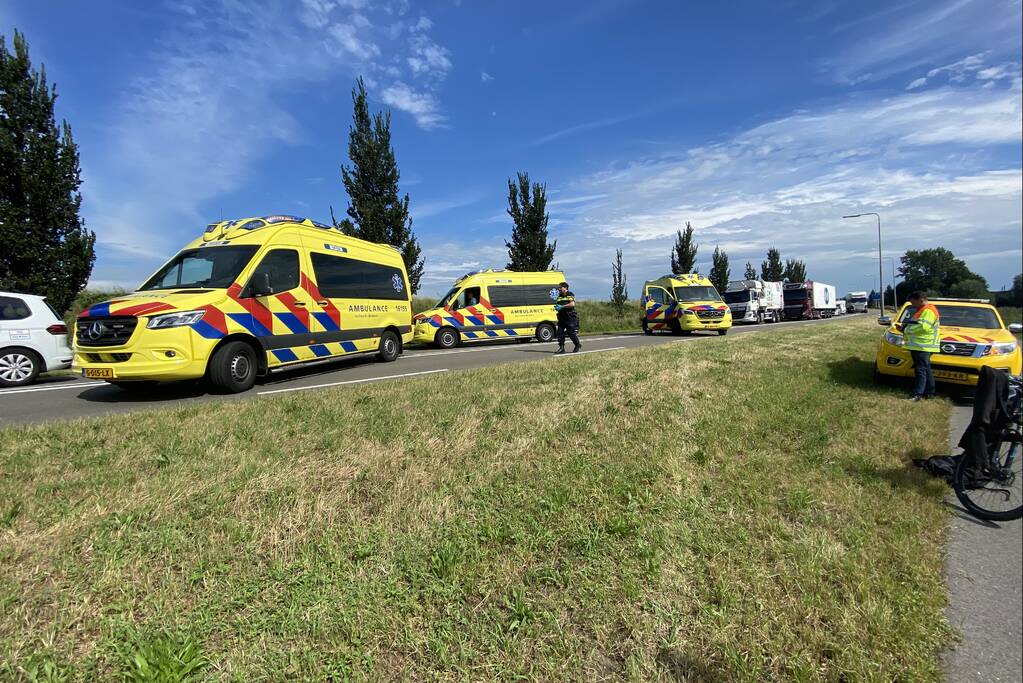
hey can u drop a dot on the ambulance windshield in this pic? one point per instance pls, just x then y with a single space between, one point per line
206 267
446 299
696 293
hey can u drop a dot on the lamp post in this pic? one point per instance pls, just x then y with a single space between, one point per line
895 291
880 264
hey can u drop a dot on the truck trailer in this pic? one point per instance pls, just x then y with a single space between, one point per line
809 300
856 302
755 301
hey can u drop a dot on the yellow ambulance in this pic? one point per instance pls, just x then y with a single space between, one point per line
683 304
492 304
246 298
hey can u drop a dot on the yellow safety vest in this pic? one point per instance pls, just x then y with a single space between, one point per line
923 335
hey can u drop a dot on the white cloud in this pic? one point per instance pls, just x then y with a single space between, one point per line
179 139
939 166
919 34
485 77
421 105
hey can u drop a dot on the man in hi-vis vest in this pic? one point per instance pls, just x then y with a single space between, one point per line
921 334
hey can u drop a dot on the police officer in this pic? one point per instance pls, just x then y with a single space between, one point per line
568 318
920 334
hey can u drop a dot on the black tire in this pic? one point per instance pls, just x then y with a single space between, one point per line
760 317
232 369
447 338
723 332
19 367
675 326
390 347
977 494
646 328
545 332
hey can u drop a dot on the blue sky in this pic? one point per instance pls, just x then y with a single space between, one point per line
761 123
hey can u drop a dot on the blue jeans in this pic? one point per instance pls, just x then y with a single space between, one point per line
924 376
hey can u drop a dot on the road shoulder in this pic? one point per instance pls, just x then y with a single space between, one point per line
984 574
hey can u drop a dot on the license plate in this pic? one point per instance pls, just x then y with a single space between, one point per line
98 373
945 374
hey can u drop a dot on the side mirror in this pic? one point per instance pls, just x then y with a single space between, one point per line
259 285
884 321
1015 328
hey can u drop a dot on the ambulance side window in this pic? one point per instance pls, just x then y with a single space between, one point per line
281 266
658 295
468 297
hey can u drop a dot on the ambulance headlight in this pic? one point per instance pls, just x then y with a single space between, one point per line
159 322
894 339
1003 348
688 312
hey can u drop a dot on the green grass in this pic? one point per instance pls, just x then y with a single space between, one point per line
729 509
1011 315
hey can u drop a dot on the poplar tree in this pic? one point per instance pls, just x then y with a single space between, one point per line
772 270
683 254
375 211
795 271
751 273
619 290
527 206
719 271
44 246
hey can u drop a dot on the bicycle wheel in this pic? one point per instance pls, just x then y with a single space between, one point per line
994 492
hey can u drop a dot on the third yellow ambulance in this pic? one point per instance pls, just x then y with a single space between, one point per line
683 304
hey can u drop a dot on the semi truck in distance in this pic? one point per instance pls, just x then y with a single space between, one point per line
856 302
809 300
755 301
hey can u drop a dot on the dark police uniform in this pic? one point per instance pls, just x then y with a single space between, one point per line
568 321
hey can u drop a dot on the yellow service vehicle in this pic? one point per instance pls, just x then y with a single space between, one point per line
683 304
972 334
492 304
246 298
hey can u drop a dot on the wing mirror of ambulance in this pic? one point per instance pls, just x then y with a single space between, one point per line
1015 328
259 285
884 321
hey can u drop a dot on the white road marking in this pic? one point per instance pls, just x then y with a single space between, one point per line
29 390
352 381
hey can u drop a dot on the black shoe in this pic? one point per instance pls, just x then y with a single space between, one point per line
577 347
915 397
561 349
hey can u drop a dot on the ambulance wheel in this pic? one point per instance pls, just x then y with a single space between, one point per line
723 332
446 338
18 367
232 369
544 333
390 347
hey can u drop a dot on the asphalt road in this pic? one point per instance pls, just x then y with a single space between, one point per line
984 572
69 397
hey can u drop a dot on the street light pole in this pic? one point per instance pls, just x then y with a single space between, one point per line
880 264
895 290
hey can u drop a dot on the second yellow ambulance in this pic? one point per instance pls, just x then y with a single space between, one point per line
491 304
683 304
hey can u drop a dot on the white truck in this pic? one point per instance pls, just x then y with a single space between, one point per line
840 307
856 301
755 301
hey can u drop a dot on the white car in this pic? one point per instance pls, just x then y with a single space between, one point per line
33 339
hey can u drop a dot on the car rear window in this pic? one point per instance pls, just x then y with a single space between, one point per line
13 308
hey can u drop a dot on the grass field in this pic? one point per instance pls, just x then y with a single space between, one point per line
1011 315
726 509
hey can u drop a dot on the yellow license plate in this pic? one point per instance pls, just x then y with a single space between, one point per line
945 374
98 373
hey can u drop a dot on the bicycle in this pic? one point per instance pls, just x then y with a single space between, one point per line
992 488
